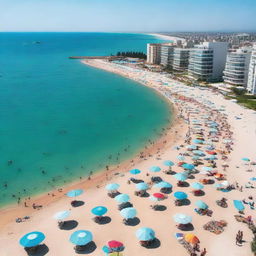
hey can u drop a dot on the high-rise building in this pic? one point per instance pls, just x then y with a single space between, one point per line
167 54
237 66
251 84
207 61
180 59
153 53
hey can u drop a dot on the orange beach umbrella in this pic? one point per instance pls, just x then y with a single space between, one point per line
191 238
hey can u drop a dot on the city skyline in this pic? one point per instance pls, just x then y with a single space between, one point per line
128 16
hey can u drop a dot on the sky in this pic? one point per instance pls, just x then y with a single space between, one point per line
127 15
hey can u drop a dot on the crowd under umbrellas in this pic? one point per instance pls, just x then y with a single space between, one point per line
195 160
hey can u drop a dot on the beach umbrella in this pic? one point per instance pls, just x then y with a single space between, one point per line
106 249
81 237
227 141
246 159
116 245
128 213
163 184
202 205
145 234
211 147
213 130
61 215
192 147
180 195
180 176
238 205
188 166
182 218
191 238
195 157
159 196
168 163
253 178
155 169
197 141
122 198
75 192
218 185
197 185
198 152
207 168
99 210
135 171
181 158
178 236
211 157
141 186
32 239
113 186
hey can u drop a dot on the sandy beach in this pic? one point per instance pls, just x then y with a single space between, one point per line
166 37
194 109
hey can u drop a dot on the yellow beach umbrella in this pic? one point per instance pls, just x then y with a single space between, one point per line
191 238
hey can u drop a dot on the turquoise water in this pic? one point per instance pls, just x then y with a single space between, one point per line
60 119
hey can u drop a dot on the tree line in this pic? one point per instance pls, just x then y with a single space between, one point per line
140 55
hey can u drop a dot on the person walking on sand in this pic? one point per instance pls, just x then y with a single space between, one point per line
203 253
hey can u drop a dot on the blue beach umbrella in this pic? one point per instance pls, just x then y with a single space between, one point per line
253 178
246 159
135 171
163 184
32 239
193 147
128 213
188 166
155 169
211 157
180 176
197 185
182 218
112 186
181 158
197 141
217 185
141 186
61 215
180 195
202 205
168 163
145 234
75 192
207 169
195 157
122 198
81 237
211 147
198 152
99 210
238 205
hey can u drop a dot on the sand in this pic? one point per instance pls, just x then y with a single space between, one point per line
244 134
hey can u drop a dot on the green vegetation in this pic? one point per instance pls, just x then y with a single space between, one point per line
253 245
140 55
246 100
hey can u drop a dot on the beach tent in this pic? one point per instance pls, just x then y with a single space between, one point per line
32 239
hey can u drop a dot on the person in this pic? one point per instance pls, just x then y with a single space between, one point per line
203 253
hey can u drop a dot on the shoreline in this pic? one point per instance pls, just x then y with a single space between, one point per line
9 212
191 104
166 37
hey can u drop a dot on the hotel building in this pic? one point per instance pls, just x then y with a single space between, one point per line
251 85
237 65
167 54
153 53
207 61
180 59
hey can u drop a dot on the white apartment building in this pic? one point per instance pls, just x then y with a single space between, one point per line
167 54
153 53
207 61
180 59
237 66
251 84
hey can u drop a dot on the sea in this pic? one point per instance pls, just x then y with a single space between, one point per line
60 119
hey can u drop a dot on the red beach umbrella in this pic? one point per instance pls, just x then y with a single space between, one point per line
159 195
181 163
115 244
211 152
